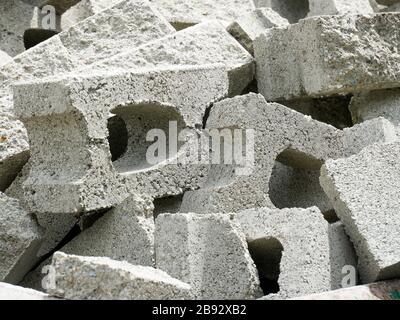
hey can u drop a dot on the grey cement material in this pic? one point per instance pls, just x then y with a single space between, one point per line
292 10
183 13
64 53
285 136
125 233
11 292
4 58
316 58
96 278
374 104
78 175
247 28
303 234
385 290
339 7
387 2
206 43
20 239
209 252
364 191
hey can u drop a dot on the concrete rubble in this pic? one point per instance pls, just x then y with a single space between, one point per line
198 149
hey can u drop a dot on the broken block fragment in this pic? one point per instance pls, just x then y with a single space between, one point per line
208 252
96 278
74 172
203 44
125 233
364 191
339 7
20 239
247 28
326 55
290 246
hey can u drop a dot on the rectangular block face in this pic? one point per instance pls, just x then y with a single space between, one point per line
365 193
329 55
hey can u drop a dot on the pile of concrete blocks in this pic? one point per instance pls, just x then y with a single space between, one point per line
187 149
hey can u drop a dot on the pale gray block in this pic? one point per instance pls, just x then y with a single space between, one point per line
386 290
206 43
185 13
326 55
247 28
97 278
208 252
303 235
364 191
11 292
4 58
125 233
339 7
73 172
20 239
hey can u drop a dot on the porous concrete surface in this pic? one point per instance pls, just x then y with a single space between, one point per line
339 7
94 278
209 252
385 290
20 238
364 192
327 55
247 28
182 13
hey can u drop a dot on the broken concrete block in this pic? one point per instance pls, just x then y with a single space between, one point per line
386 290
292 10
324 56
206 43
14 149
209 253
100 37
248 27
125 233
74 172
20 239
381 103
84 9
290 246
339 7
4 58
11 292
182 14
342 256
15 18
77 277
364 192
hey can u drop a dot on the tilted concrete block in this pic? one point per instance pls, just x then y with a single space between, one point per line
96 278
374 104
125 233
290 246
364 192
293 10
299 144
73 172
339 7
11 292
326 55
63 53
386 290
206 43
209 253
184 13
20 239
248 27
